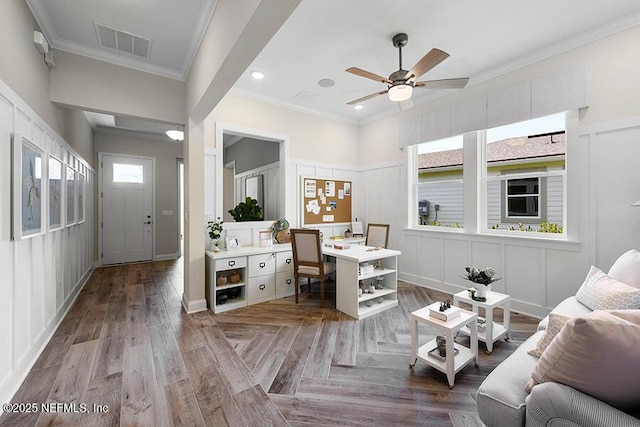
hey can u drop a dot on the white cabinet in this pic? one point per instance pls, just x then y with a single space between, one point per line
284 274
362 264
262 281
229 295
265 274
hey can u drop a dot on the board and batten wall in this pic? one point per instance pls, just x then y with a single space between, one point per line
602 183
41 275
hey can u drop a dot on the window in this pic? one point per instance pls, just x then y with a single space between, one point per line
523 198
525 175
521 179
440 195
128 173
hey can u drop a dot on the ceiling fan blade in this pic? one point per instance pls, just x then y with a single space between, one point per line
365 98
429 61
444 83
368 75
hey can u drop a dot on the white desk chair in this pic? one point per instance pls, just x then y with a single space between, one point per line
377 235
307 259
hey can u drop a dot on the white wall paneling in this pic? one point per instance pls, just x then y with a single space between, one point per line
41 275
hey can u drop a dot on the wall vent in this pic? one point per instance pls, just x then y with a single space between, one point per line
122 41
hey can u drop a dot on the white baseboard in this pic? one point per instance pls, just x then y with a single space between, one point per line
167 257
193 306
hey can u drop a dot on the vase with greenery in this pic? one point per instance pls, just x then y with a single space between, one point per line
482 279
249 210
215 232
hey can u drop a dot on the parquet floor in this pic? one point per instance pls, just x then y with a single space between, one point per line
127 346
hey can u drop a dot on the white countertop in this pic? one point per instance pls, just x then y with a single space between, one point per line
249 250
359 253
355 252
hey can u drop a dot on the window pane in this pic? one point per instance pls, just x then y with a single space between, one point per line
522 186
440 189
523 206
517 199
128 173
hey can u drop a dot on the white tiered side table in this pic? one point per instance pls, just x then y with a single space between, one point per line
493 331
451 365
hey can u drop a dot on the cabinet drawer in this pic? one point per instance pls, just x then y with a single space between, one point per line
231 263
261 288
284 261
262 264
284 284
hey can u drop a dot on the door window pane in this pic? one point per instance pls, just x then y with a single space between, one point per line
128 173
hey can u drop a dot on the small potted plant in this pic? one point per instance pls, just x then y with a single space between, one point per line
482 280
215 232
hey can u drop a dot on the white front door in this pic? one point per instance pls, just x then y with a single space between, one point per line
127 213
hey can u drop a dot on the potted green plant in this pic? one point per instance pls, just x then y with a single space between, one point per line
249 210
215 232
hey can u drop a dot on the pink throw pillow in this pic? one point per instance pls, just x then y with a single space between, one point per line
597 354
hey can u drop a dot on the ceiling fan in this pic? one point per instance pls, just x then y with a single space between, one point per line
400 83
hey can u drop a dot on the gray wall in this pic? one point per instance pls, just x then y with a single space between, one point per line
166 194
251 154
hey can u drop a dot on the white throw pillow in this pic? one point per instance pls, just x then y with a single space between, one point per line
600 292
626 269
556 322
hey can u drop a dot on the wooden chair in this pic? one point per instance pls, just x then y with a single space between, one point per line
377 235
307 259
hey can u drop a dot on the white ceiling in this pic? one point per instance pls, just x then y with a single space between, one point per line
322 38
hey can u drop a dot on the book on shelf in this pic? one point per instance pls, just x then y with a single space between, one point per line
366 268
482 323
450 313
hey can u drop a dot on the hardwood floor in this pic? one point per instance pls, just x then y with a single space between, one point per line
129 353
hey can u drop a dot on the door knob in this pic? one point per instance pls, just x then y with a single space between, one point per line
148 222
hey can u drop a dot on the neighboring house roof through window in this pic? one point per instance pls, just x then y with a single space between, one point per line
532 147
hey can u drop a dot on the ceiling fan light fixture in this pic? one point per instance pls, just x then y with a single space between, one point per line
175 134
401 92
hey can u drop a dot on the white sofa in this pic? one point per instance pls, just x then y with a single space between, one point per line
503 401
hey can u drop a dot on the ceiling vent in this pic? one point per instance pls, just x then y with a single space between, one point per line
123 41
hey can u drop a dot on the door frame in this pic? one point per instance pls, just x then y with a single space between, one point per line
101 154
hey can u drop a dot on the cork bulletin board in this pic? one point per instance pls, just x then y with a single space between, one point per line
326 201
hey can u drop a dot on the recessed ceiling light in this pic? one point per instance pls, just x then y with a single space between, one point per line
358 107
258 75
326 83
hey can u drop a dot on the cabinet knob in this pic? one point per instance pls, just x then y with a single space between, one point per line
289 281
262 264
288 260
262 287
232 263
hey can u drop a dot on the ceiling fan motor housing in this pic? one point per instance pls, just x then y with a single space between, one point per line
400 40
398 76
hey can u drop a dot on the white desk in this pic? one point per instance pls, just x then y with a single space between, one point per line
256 262
348 278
